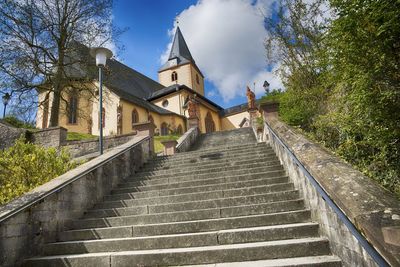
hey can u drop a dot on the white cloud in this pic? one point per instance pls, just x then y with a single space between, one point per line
226 39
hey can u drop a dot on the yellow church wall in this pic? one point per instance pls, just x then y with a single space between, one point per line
203 113
110 105
40 110
127 109
184 76
198 87
232 122
175 102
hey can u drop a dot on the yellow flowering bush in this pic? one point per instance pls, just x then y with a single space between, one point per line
25 166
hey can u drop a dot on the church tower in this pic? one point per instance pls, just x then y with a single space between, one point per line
181 67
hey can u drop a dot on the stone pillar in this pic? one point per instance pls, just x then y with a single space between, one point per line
193 122
146 129
253 117
169 147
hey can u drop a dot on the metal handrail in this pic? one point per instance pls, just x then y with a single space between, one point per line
375 255
62 185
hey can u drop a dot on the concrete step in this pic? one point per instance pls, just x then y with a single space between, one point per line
193 255
289 217
207 157
205 188
273 206
238 146
312 261
183 213
145 185
212 238
203 195
189 163
199 174
209 164
200 199
205 169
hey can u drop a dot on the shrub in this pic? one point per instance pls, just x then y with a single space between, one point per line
14 121
25 166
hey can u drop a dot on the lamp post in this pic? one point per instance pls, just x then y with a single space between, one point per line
266 87
101 55
6 99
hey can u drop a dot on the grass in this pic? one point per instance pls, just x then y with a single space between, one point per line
158 147
72 136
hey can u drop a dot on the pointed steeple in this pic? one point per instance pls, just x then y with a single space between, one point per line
179 48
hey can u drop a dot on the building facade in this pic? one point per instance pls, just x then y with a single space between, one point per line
131 97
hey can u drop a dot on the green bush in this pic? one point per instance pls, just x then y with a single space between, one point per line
25 166
13 121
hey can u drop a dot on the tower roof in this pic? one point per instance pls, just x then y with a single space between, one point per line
180 52
179 48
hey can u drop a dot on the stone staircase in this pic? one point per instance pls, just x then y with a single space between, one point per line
226 203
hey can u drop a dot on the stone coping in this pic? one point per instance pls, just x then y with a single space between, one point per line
373 210
47 189
46 129
186 135
96 139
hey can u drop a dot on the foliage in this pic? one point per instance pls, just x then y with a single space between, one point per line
273 97
18 123
25 166
72 136
346 91
158 147
41 47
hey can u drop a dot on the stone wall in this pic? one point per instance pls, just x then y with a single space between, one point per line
188 139
9 134
49 137
374 211
81 148
34 219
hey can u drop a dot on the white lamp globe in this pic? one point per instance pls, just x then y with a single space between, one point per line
101 55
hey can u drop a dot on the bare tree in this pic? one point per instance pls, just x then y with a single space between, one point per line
43 44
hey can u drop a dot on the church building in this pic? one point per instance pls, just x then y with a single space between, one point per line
173 103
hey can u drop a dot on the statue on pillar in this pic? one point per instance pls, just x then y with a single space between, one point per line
192 108
251 98
119 119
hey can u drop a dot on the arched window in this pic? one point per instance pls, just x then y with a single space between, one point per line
45 112
179 130
174 76
73 109
210 125
197 79
164 129
135 116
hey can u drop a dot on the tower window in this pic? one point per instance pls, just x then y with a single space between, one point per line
73 109
174 76
197 79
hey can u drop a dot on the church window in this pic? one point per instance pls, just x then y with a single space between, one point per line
174 76
164 128
179 130
135 116
45 112
165 103
73 109
197 79
210 125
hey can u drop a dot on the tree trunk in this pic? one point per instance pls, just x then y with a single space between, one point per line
57 89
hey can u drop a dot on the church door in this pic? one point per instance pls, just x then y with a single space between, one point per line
210 125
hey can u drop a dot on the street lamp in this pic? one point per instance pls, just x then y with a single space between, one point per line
101 55
266 87
6 99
